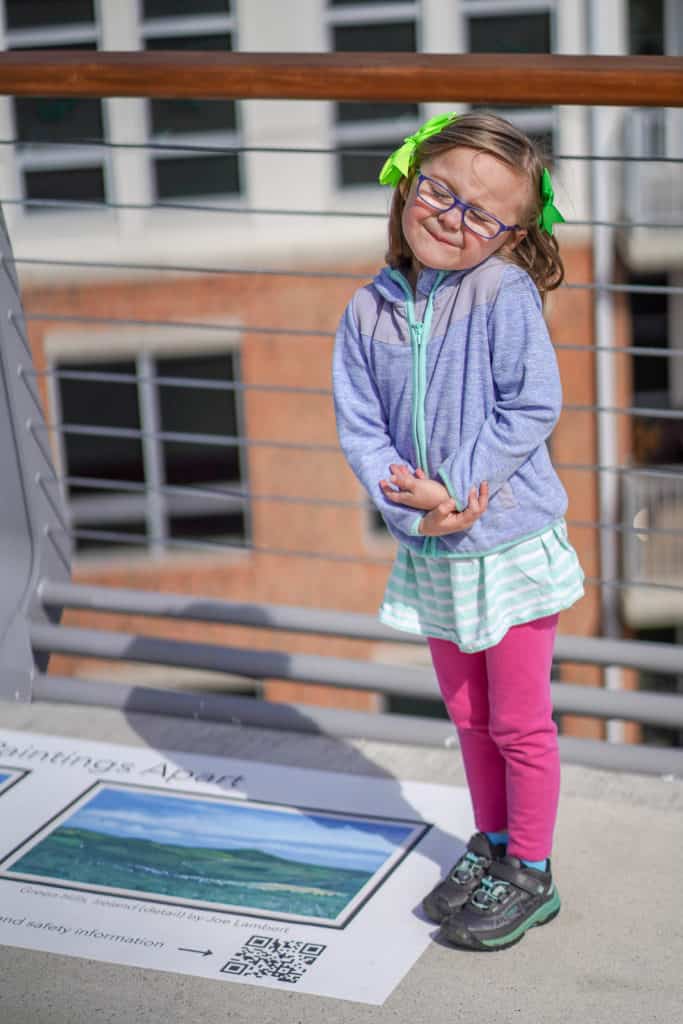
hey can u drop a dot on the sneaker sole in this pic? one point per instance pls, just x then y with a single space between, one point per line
464 939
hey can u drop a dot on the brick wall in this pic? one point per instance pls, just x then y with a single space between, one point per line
310 578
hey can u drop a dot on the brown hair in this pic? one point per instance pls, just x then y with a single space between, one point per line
537 253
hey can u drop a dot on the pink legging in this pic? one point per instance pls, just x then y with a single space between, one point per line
499 701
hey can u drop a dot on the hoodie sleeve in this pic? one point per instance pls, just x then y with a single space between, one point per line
528 393
362 425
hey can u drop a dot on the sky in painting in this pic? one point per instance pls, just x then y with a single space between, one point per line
314 838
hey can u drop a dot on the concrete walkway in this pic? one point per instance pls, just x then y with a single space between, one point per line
614 953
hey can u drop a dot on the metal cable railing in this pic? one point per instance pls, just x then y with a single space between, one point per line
86 356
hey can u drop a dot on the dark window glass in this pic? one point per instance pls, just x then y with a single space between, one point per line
176 117
176 8
92 403
353 112
646 27
57 119
197 410
187 116
357 168
365 3
197 176
385 37
34 13
649 319
84 183
227 525
388 37
212 42
510 33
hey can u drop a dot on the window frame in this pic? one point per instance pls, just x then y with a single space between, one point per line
184 26
44 156
379 133
143 346
534 120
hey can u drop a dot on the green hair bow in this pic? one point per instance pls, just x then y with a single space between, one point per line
549 214
399 164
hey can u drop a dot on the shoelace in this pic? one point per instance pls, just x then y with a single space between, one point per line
490 892
468 867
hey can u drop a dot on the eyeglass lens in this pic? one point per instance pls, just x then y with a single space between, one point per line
441 198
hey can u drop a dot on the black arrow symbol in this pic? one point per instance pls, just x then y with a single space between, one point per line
203 952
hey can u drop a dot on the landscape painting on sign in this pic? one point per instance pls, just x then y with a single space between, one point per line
8 777
267 860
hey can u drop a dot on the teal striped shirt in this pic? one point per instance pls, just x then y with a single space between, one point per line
474 601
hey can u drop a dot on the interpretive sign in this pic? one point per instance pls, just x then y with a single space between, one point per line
246 871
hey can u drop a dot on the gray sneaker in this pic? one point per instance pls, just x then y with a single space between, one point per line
463 878
511 899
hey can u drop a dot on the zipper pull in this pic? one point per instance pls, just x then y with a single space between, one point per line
417 331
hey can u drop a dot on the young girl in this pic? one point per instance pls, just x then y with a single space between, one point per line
446 389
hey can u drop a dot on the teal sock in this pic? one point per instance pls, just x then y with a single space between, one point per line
540 865
497 838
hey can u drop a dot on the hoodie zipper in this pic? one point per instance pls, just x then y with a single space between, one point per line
419 339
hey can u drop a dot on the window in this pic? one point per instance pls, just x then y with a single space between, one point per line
124 484
376 127
52 162
646 26
514 26
167 26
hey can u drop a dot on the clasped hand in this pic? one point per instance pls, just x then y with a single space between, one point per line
415 490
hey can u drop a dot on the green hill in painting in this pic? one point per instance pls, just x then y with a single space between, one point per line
238 877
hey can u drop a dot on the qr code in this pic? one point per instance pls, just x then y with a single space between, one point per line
284 960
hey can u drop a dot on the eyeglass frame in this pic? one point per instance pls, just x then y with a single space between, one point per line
462 205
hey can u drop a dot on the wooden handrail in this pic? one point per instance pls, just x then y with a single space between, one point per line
413 77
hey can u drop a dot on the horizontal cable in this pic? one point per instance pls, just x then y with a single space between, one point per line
660 414
244 328
645 289
179 324
243 493
662 472
128 538
183 269
184 382
93 204
193 147
213 546
179 437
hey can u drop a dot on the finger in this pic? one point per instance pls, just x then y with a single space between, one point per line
484 496
420 474
387 489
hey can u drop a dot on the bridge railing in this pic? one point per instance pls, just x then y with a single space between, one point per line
50 508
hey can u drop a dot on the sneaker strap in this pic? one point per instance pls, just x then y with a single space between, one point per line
527 879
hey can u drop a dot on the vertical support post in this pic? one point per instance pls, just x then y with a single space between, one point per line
152 455
605 375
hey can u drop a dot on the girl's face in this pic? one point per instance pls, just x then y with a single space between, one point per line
441 240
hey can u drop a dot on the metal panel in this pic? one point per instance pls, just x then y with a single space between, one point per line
33 541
